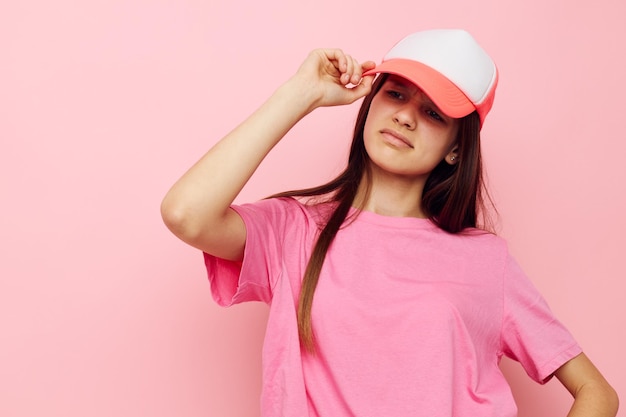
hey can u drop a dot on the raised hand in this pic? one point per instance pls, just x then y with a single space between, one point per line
333 78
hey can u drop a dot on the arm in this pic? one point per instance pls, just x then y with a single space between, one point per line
197 207
593 396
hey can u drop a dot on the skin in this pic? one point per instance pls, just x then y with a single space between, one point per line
593 396
406 137
197 207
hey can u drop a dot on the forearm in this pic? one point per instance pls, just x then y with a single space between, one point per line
204 193
593 395
594 400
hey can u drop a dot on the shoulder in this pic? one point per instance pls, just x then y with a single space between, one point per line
481 239
481 245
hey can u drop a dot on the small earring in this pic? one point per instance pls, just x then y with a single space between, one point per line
452 158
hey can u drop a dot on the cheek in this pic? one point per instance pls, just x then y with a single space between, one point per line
377 109
368 130
453 136
445 141
367 144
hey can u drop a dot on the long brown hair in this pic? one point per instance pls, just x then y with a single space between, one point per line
452 198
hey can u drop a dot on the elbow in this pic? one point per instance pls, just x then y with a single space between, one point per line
613 399
606 398
198 226
177 219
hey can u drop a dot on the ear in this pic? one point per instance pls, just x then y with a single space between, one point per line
452 158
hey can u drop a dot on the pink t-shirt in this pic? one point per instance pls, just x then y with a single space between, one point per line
409 320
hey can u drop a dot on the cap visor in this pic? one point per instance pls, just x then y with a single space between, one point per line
446 96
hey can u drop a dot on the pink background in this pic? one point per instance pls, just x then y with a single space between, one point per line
104 103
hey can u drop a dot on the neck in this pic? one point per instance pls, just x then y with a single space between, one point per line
391 195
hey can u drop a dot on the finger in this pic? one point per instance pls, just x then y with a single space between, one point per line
365 86
368 65
347 74
356 73
341 62
364 67
338 58
361 90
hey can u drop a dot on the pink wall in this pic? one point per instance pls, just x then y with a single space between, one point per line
105 103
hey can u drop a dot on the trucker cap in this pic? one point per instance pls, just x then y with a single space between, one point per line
449 66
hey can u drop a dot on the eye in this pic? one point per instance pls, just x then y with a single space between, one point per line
434 115
396 95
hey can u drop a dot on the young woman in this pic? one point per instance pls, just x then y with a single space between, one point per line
386 297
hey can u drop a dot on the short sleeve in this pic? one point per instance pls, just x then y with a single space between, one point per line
531 334
253 278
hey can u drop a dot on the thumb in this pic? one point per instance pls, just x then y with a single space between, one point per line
362 89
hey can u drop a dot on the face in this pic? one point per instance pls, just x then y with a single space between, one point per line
405 134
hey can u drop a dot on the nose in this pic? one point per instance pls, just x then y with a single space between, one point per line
405 116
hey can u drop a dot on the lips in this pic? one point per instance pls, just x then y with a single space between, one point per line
396 138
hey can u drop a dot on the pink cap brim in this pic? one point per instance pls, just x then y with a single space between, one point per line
446 96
